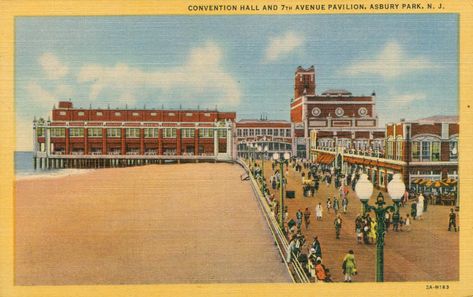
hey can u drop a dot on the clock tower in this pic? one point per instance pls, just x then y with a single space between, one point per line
304 81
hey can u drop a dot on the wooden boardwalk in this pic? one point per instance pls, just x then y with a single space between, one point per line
427 253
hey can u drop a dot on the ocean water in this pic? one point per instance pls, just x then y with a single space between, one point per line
24 168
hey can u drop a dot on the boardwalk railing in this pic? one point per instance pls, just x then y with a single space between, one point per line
294 267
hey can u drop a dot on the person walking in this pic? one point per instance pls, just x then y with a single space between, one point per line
373 229
420 207
329 204
307 218
349 266
396 221
317 249
405 198
407 223
359 228
290 249
366 230
285 214
320 271
299 216
452 220
318 212
345 204
336 205
338 226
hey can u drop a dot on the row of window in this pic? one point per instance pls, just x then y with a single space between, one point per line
358 144
426 150
272 146
135 114
134 132
264 132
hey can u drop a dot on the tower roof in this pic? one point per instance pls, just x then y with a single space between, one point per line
301 69
336 92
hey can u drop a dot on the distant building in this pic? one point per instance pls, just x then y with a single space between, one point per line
421 149
428 146
276 135
339 118
121 135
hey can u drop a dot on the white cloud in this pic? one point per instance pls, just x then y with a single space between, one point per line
52 67
282 45
39 95
24 133
406 99
47 98
40 102
390 63
403 100
201 74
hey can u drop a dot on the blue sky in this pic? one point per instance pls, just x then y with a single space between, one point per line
237 63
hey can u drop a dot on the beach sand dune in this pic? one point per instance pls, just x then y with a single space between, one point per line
187 223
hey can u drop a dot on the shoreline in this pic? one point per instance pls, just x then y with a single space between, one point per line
51 174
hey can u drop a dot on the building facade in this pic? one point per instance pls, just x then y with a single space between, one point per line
339 118
424 149
275 135
125 134
428 146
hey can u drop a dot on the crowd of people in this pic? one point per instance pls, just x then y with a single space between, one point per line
313 176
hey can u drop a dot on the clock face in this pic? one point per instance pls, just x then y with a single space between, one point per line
362 111
316 111
339 111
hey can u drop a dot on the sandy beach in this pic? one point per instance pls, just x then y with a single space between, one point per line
187 223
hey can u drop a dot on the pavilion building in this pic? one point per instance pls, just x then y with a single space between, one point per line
77 137
339 117
253 136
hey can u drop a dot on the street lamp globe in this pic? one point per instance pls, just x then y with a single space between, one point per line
363 188
396 187
260 148
266 148
286 156
276 156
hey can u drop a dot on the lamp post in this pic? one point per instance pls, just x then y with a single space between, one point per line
364 190
281 162
263 151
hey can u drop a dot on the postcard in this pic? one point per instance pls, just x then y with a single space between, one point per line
235 148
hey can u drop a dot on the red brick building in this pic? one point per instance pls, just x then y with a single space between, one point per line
339 118
428 146
422 149
143 134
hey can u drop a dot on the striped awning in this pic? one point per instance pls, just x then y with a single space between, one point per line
440 184
450 181
325 159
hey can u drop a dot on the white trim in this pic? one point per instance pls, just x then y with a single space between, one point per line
338 102
137 127
426 137
297 105
434 163
349 129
